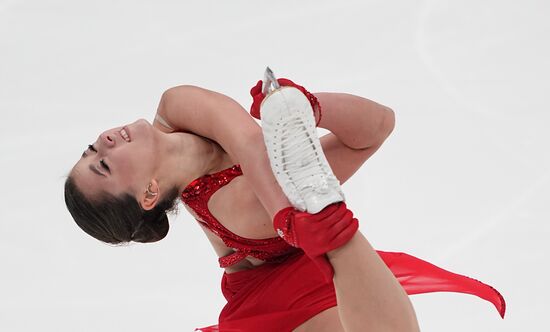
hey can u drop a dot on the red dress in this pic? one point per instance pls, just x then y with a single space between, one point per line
288 289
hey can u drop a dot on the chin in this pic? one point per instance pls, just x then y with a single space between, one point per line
140 129
144 122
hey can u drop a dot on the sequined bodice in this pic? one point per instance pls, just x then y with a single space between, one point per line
197 194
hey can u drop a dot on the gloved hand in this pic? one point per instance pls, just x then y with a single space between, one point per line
258 97
317 234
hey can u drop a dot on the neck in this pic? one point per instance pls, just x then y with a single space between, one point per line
219 159
188 157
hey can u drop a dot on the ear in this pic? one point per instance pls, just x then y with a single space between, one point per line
149 198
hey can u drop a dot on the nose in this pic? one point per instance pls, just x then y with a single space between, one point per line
108 139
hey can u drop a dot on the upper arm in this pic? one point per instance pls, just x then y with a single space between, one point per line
343 160
220 118
209 114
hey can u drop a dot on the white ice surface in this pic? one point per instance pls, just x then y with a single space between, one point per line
464 181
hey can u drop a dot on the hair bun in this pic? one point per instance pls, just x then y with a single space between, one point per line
152 228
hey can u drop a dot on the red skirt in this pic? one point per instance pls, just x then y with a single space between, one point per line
281 296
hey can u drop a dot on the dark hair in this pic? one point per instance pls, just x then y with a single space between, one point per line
119 219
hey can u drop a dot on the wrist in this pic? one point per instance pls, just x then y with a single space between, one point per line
318 233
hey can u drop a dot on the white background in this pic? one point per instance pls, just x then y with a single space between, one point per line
463 181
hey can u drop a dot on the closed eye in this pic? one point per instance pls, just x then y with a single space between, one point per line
101 161
104 164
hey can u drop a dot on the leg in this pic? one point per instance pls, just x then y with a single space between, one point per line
326 321
369 296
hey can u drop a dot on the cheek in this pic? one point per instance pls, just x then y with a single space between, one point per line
128 178
135 164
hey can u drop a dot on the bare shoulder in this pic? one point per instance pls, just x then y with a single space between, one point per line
209 114
191 98
187 108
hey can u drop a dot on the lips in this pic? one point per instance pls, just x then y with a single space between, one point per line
125 133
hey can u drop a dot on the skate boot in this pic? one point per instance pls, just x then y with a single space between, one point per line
294 149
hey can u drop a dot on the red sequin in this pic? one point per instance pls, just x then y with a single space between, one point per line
196 196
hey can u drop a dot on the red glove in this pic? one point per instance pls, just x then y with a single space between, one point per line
317 234
258 97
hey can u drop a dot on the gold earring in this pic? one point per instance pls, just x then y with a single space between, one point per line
149 192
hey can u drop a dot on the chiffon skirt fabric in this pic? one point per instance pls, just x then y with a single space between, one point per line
278 297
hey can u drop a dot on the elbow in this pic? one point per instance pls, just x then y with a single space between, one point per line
381 130
388 123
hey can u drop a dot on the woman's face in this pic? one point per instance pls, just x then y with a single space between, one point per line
121 160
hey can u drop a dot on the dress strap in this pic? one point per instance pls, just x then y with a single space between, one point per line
163 122
232 259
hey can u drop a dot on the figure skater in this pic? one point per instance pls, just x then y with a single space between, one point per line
268 199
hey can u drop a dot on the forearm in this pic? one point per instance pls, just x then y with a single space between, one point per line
255 165
220 118
358 122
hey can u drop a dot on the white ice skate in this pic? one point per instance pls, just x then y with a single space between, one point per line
294 149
